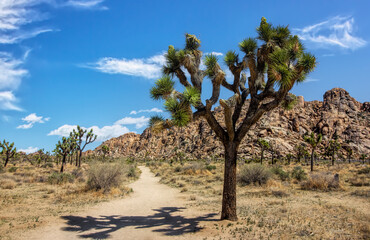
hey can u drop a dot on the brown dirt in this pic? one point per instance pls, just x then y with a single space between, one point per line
153 211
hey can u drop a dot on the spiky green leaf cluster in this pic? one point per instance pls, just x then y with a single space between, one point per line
192 42
312 139
155 119
210 61
163 88
248 46
263 143
173 60
231 58
191 95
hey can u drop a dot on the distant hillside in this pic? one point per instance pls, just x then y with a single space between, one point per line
338 113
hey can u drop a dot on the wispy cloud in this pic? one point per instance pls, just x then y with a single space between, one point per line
138 122
103 133
31 120
86 4
214 53
11 71
8 101
144 67
311 80
337 31
15 14
157 110
29 150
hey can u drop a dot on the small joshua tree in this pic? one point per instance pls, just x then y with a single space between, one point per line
313 141
332 149
82 137
363 157
264 145
276 62
349 151
105 149
63 148
8 150
300 150
289 157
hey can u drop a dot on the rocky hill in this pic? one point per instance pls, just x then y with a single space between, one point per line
338 114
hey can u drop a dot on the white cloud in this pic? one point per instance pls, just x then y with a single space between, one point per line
31 120
86 4
138 122
103 133
148 68
214 53
8 101
337 31
29 150
157 110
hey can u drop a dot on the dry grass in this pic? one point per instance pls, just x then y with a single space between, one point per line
322 182
280 209
29 200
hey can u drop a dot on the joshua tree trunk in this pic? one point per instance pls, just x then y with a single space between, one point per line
79 158
63 162
332 159
312 156
229 191
6 160
261 157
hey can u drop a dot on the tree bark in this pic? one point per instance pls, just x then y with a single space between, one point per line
63 162
6 160
312 156
79 159
229 191
332 159
261 157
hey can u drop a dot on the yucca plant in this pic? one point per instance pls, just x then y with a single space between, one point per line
276 62
8 150
313 140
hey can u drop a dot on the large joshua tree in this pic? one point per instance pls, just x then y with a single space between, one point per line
276 60
82 137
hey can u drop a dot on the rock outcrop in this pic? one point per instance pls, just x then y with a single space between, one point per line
338 114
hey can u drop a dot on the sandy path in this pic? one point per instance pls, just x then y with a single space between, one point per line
153 211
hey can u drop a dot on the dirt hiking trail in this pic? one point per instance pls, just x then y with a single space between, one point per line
152 211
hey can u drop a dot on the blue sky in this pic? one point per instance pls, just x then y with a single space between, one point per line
92 62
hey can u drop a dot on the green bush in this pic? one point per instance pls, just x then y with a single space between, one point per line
299 174
60 178
254 173
104 176
278 171
210 167
12 169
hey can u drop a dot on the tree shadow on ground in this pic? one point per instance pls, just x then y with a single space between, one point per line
101 227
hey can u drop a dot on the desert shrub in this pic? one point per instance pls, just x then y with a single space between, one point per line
278 171
48 165
131 172
193 168
12 169
321 181
60 178
210 167
254 173
364 171
359 181
104 176
299 174
7 184
177 169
